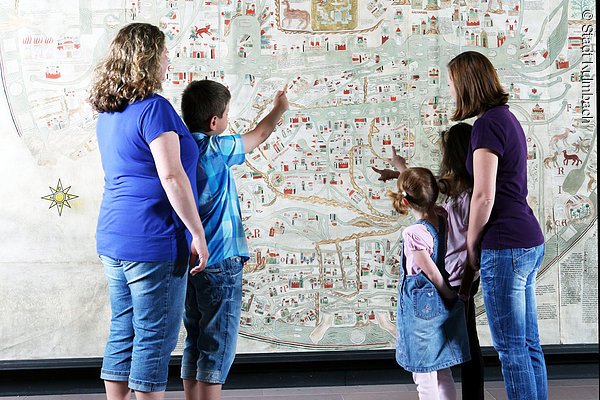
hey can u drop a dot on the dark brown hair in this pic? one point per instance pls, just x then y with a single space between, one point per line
419 187
131 71
477 85
454 177
202 100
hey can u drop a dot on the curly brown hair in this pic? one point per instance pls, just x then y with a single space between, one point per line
477 85
131 71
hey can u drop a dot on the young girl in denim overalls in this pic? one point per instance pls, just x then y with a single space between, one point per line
431 334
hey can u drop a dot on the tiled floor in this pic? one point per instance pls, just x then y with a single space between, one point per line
559 389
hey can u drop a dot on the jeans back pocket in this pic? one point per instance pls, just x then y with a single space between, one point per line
526 260
210 284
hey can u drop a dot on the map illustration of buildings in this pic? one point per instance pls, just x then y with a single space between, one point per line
362 76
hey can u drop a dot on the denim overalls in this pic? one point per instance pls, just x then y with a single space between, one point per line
431 335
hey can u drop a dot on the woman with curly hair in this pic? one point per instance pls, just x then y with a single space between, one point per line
149 159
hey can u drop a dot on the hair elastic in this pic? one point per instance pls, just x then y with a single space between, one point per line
407 196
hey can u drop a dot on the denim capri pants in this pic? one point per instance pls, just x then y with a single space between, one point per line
147 301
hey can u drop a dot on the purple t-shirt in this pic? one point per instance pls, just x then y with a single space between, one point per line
512 223
137 221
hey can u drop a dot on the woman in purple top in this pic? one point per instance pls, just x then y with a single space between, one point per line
149 160
504 237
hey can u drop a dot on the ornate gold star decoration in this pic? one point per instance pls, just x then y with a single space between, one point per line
60 197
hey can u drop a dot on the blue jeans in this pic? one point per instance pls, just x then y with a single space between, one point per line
212 320
146 300
508 286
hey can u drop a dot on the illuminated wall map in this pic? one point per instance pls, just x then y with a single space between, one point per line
363 76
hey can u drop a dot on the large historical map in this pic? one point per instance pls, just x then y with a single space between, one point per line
363 76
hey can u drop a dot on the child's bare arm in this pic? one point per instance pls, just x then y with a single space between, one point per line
423 259
386 174
398 161
265 127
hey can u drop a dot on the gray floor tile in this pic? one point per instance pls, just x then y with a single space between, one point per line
339 389
488 396
572 392
374 395
584 390
311 396
62 397
301 390
378 388
237 393
494 384
565 389
573 382
497 394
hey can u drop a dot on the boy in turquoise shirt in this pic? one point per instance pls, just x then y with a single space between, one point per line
214 294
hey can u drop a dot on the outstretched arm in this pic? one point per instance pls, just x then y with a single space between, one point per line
398 162
386 174
265 127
